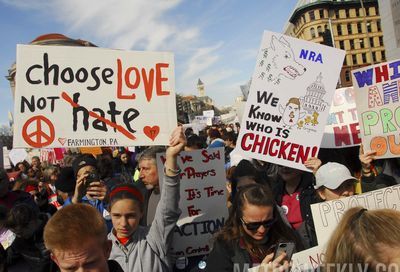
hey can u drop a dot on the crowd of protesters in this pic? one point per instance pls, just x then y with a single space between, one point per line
110 214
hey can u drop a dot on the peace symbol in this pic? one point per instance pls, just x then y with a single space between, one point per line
38 138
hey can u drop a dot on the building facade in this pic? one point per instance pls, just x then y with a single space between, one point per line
390 14
354 26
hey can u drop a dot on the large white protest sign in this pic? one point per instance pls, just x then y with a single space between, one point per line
203 200
81 96
327 214
378 106
290 95
342 129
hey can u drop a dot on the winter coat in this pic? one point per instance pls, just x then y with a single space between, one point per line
147 249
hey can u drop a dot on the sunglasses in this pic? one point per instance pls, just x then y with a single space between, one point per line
253 226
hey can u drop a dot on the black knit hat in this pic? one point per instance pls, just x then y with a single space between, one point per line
82 161
66 180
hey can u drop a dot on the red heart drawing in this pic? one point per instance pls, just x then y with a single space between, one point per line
151 132
62 140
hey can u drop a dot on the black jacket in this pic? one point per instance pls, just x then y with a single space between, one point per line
225 256
374 183
307 197
31 250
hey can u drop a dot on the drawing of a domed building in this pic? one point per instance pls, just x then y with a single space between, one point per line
313 100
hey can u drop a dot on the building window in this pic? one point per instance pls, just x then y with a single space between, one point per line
312 15
357 12
351 44
321 14
303 18
369 26
341 45
319 30
349 30
380 41
362 43
371 42
354 58
347 13
312 30
377 11
374 56
367 12
347 75
359 28
339 30
378 25
364 57
345 61
383 55
337 14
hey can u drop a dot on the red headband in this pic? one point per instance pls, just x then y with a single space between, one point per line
136 193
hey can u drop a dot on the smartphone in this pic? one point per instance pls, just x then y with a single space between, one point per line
91 177
287 247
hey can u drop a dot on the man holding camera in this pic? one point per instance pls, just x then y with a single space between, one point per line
89 189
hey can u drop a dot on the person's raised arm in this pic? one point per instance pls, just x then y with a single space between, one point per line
366 159
177 142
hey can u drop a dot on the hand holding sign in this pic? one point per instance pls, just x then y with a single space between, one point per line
177 142
313 163
366 159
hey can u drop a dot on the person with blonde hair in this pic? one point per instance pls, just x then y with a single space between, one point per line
365 241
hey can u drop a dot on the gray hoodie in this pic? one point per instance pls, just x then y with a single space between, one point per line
148 247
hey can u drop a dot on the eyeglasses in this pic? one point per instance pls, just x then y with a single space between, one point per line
253 226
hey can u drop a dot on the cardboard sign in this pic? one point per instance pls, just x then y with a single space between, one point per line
289 100
342 129
70 96
17 155
203 200
327 214
377 97
91 150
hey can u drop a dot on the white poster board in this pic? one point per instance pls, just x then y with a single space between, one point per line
289 100
17 155
208 113
6 158
378 107
342 128
203 200
70 96
327 214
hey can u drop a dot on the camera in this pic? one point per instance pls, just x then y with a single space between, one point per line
92 177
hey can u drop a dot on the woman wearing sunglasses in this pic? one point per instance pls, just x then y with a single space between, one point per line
251 233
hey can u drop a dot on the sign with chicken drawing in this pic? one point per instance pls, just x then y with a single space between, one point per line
290 96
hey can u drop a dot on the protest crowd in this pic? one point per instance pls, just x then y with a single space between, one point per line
115 211
117 207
